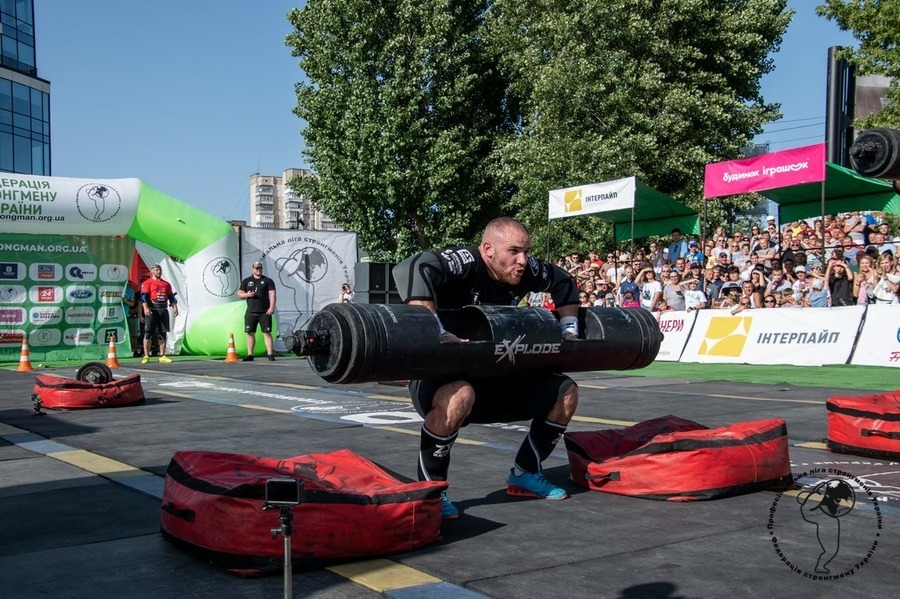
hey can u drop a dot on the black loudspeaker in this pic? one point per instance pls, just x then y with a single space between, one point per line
374 283
876 153
377 297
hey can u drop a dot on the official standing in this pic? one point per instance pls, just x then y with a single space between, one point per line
259 291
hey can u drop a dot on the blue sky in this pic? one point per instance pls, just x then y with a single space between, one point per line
193 96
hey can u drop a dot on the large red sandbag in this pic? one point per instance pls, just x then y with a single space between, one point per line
212 506
55 392
868 425
675 459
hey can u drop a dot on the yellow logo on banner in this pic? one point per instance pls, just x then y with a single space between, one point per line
726 336
573 200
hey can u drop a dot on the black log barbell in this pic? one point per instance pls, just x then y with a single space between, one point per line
357 343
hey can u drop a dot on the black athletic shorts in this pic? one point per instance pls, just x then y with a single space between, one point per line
156 322
500 399
251 319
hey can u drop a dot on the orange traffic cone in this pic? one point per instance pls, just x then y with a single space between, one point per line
112 360
231 356
25 358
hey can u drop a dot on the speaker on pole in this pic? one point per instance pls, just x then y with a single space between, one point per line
876 153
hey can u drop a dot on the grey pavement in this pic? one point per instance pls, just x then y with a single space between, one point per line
67 530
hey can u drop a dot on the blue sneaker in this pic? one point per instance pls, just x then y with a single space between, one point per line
533 484
448 510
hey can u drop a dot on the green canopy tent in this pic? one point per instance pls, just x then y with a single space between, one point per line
635 209
844 190
654 213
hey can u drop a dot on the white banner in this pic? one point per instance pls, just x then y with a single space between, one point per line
795 336
675 327
42 205
879 340
308 268
597 197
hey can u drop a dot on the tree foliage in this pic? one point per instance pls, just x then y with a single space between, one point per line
403 105
425 119
876 24
650 88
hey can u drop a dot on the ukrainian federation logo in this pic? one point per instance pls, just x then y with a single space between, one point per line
98 203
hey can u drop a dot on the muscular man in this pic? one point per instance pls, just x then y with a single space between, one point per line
497 272
156 295
259 291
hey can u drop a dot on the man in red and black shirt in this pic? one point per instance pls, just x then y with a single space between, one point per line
156 295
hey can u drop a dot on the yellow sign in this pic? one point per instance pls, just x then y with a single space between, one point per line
726 336
573 200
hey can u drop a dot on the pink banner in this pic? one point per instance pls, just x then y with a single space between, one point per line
768 171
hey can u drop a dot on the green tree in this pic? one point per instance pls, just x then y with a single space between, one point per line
403 104
614 88
876 24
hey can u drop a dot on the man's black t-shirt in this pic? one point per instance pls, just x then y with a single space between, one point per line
259 303
458 277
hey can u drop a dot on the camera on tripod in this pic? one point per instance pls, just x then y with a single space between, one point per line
283 492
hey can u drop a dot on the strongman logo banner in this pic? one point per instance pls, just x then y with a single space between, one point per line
308 268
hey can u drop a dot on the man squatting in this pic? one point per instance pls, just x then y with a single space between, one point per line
497 272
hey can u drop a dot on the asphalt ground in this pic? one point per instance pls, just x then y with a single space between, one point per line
80 494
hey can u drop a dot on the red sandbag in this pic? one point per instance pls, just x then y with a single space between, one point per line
867 426
212 506
55 392
675 459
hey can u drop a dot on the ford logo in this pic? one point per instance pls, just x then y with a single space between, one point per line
81 293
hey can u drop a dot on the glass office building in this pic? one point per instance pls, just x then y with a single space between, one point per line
24 97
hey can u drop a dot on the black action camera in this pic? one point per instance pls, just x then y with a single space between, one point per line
283 492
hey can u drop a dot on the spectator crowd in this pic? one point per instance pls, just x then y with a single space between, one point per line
844 260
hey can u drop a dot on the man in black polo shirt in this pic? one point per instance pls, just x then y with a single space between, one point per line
259 291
